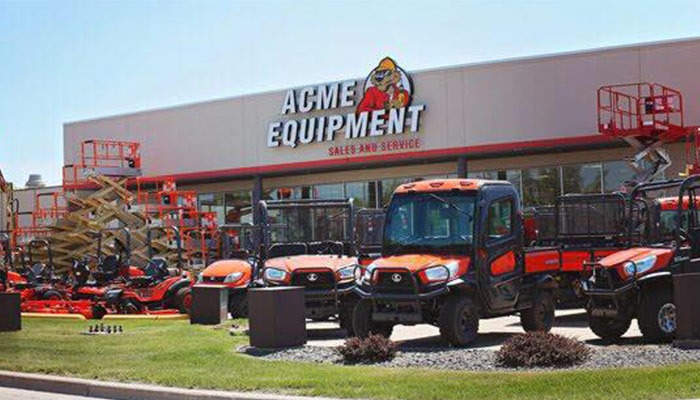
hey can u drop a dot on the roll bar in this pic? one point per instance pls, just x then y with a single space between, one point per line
688 185
127 249
7 248
265 205
225 245
40 243
642 188
164 229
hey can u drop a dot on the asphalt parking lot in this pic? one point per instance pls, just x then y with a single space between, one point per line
492 332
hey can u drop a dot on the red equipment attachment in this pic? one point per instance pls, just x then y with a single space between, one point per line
646 115
49 208
105 157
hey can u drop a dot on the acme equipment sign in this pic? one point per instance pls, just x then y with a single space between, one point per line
384 109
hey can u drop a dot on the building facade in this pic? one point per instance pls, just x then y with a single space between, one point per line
529 121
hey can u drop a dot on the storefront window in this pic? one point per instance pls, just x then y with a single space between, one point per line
238 207
512 176
490 175
583 178
213 202
330 191
364 193
388 186
615 174
282 194
540 186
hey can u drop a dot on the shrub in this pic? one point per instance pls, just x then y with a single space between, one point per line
374 348
539 349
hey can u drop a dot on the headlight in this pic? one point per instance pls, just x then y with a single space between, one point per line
346 273
642 266
274 274
437 274
367 275
230 278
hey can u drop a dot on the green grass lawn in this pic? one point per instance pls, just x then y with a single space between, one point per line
173 353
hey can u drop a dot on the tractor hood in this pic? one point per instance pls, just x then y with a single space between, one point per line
417 262
638 261
223 268
294 263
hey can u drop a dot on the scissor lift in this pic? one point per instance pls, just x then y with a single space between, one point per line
647 116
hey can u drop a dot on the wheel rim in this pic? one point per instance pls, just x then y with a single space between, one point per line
667 318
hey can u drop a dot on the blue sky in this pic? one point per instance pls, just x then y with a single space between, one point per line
63 61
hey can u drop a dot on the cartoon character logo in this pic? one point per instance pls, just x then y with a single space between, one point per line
387 86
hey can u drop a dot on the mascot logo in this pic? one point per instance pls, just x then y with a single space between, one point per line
387 87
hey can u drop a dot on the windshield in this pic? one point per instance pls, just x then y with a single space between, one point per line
668 223
430 223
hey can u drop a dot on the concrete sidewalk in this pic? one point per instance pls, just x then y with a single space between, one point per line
125 391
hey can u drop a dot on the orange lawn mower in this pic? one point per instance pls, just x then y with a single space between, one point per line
42 292
155 290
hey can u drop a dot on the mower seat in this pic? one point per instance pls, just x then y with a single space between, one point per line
157 268
38 273
109 267
81 273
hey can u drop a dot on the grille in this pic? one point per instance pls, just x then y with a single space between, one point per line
323 280
394 281
213 279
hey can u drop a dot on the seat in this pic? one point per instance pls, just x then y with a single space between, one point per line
157 268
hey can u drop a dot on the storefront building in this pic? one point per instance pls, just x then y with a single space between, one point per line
529 121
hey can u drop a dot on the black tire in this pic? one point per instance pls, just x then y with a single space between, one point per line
98 312
51 295
345 314
540 317
459 321
362 323
130 306
183 300
657 316
609 328
238 305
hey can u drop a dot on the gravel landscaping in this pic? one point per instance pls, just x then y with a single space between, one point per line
613 356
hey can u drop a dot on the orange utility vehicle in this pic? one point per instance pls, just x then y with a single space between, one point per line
311 243
637 282
587 227
453 253
237 267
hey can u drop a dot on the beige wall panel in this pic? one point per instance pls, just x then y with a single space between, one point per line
676 66
512 101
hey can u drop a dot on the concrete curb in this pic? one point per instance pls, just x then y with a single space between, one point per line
126 391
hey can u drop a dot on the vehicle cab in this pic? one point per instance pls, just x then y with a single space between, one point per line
451 247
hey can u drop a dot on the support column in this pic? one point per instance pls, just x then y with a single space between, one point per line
462 167
257 196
